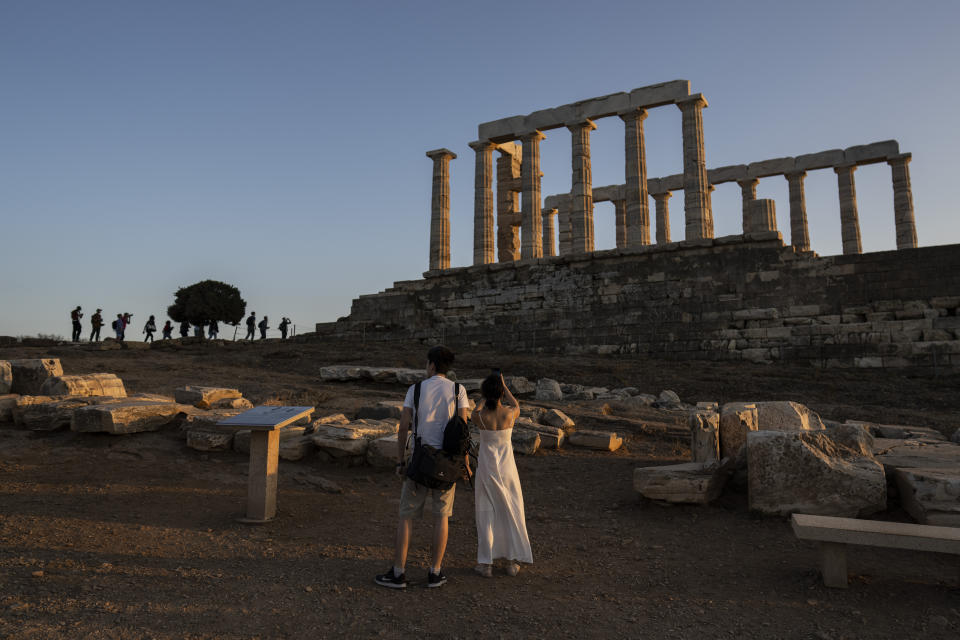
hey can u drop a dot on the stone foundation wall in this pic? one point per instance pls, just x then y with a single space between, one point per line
733 298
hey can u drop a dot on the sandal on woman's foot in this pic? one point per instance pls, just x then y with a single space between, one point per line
484 570
513 569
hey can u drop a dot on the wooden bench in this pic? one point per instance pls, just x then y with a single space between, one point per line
834 534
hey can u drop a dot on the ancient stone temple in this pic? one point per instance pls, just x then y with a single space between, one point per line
538 284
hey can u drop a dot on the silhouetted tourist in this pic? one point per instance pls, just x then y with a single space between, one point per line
75 316
213 330
124 322
149 329
263 328
184 329
117 326
251 326
96 321
284 323
167 331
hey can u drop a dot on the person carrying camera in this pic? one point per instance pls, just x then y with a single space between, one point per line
439 400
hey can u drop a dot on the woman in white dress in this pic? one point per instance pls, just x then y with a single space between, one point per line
501 527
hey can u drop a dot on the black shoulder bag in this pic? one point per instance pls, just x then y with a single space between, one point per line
431 467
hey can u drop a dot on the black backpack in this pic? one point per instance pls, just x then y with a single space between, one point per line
439 468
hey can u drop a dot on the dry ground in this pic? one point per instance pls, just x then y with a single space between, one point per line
136 537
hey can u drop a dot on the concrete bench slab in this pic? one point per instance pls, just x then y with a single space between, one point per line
834 534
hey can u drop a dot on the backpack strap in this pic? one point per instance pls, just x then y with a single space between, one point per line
416 407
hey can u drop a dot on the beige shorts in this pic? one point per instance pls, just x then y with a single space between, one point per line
413 496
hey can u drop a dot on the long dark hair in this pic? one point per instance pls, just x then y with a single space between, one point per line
492 390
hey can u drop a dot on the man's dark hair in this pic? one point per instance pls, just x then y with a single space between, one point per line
441 358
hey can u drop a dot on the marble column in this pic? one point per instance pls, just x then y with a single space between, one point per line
799 230
563 229
623 223
549 232
763 215
903 202
508 203
637 204
663 216
696 197
483 238
849 222
440 209
581 192
748 193
530 222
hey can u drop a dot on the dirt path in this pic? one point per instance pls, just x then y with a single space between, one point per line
135 535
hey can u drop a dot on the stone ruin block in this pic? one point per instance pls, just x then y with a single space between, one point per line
45 413
208 396
931 496
821 160
91 384
525 441
386 410
597 440
210 439
7 403
122 418
704 435
6 377
874 152
688 483
29 375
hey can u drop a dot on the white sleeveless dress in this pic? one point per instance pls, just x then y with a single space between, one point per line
501 526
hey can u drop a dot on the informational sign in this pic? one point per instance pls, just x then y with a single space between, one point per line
267 418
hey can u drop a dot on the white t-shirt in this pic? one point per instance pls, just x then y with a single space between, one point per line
436 408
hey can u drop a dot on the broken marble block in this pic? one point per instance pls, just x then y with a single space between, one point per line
90 384
598 440
45 413
525 441
194 395
210 439
931 496
688 483
29 375
557 418
124 418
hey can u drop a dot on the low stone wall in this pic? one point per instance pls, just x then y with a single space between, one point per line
744 297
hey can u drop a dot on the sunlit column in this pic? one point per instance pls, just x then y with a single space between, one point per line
748 193
903 202
483 239
849 222
637 228
799 231
549 232
581 192
440 209
697 212
663 216
530 222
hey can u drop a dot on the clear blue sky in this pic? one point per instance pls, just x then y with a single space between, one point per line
279 146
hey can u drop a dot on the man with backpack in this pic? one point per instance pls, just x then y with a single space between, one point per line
438 402
251 325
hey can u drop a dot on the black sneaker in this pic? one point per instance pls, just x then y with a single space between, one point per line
391 580
436 579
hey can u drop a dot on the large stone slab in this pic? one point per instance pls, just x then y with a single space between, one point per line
896 454
548 390
210 439
122 418
557 418
736 420
195 395
45 413
550 437
6 377
688 483
786 416
385 410
349 442
525 441
90 384
29 375
598 440
931 496
814 472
